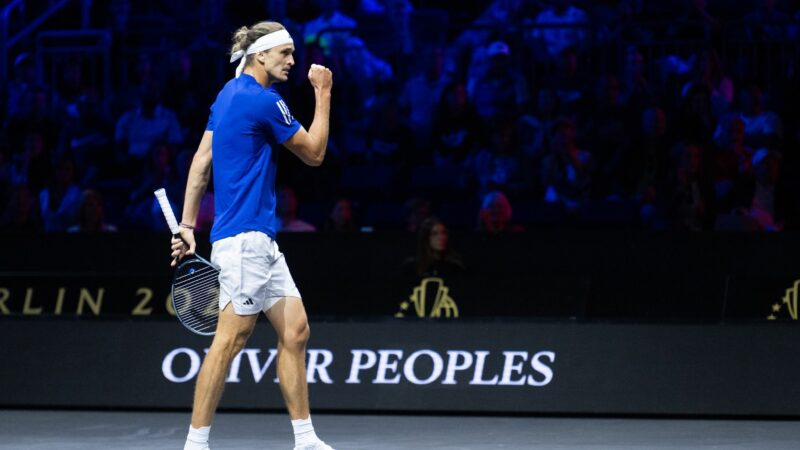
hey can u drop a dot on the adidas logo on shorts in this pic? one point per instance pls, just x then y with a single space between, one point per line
248 302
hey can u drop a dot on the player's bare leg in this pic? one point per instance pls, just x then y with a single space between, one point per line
232 334
288 317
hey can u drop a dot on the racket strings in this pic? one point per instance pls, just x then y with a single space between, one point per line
196 297
199 291
198 320
198 284
195 273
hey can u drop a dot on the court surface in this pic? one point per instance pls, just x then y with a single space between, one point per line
79 430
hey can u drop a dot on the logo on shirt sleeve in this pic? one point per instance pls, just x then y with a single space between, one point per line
287 116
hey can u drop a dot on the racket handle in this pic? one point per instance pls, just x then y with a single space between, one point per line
166 208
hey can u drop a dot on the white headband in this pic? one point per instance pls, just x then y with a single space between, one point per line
263 43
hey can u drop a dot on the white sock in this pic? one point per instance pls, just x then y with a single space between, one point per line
197 438
304 432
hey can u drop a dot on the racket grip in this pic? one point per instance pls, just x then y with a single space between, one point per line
166 209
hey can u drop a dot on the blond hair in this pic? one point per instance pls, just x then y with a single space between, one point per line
244 37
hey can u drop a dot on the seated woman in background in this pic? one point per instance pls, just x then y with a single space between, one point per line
434 278
434 255
340 219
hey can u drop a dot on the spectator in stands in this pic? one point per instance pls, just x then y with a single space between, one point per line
696 122
502 12
500 92
535 128
21 212
316 31
188 94
91 215
421 94
129 97
496 165
706 70
499 15
19 96
341 218
495 215
669 73
397 14
388 139
767 197
366 79
761 128
347 113
455 126
560 26
649 164
365 67
372 7
731 162
159 173
636 90
690 201
71 85
610 141
685 79
86 135
286 212
567 171
569 82
139 130
435 257
649 168
60 200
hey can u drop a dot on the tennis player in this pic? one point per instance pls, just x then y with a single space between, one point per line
247 124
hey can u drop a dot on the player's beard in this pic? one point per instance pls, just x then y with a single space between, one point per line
280 75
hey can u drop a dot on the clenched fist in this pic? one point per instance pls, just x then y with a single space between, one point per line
321 77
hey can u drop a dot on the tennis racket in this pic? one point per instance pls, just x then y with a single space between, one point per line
195 283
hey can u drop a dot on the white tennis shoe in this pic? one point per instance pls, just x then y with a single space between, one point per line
315 446
187 447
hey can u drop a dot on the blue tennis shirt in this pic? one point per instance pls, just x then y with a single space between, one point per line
249 123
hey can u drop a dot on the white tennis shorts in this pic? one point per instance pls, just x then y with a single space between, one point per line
253 273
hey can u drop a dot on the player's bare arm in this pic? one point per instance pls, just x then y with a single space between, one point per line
199 175
310 146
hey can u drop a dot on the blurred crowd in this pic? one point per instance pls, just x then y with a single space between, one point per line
494 116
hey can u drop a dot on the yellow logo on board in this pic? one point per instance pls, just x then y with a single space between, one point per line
789 300
442 305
